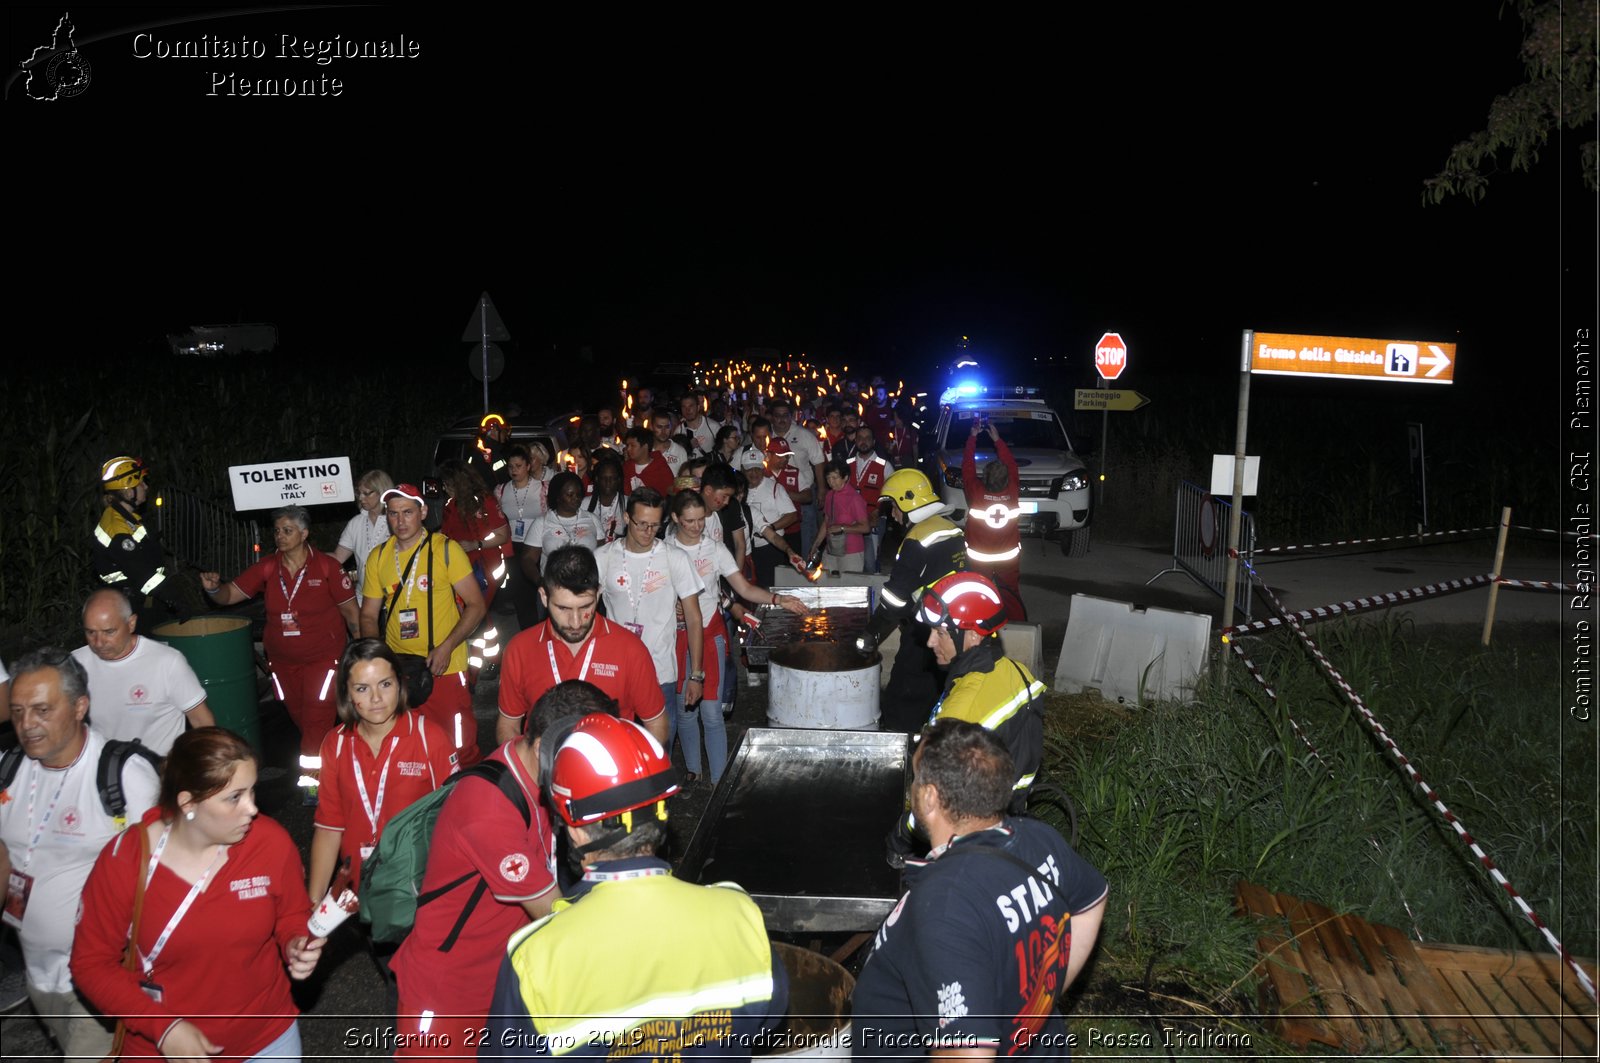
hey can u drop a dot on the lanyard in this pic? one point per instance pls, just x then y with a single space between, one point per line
621 876
866 467
373 811
583 672
636 590
149 961
288 595
33 793
516 496
400 576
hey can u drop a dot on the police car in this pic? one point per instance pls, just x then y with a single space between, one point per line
1054 483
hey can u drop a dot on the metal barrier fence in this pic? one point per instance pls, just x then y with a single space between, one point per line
201 533
1200 544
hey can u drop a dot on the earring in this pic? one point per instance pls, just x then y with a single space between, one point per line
189 814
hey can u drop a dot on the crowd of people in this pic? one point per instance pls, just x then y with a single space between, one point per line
632 545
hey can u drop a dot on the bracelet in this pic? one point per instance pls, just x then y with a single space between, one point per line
213 593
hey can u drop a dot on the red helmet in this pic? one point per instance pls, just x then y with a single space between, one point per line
964 601
608 767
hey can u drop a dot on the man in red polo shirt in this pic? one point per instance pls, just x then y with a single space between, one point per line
489 873
576 643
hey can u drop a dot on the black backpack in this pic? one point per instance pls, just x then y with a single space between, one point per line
108 773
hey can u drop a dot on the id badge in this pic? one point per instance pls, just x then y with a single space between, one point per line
290 625
637 629
151 990
408 624
518 528
367 851
18 886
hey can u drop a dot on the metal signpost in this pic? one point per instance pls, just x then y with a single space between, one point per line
1110 359
1340 357
485 328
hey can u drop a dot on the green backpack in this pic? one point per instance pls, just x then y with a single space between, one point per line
391 878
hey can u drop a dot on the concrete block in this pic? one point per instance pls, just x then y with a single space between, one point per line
1126 651
1024 644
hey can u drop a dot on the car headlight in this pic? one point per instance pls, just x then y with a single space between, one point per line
1075 481
952 476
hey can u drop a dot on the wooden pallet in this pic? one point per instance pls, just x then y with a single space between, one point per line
1365 988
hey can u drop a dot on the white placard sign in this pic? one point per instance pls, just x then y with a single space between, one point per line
1222 474
309 482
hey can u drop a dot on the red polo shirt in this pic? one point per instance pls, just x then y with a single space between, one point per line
612 658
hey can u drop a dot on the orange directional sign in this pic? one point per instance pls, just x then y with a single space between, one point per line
1413 361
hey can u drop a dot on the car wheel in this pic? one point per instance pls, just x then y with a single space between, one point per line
1075 543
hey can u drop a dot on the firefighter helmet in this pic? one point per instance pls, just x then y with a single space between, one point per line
122 472
608 767
964 601
910 490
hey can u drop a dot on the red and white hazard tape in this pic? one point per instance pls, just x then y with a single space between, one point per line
1536 585
1354 605
1413 537
1272 696
1428 791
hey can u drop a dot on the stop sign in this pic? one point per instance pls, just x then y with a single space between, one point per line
1110 356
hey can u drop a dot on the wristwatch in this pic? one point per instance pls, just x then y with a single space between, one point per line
697 677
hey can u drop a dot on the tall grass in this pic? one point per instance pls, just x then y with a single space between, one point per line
1323 474
1177 803
189 419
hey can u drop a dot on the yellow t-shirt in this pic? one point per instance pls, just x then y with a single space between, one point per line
388 563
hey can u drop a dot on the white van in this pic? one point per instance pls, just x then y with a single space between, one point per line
1054 486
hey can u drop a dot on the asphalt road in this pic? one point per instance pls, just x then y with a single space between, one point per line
343 1001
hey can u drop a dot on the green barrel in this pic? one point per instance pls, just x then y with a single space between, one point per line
220 651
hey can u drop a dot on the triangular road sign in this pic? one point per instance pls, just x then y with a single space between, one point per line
485 321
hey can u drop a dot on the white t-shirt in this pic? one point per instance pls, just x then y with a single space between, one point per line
61 807
711 561
612 518
144 695
523 506
553 531
361 536
767 502
703 436
807 455
674 455
641 593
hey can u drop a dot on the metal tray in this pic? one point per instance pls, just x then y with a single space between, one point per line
799 819
841 613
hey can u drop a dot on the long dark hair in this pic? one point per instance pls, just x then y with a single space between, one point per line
365 650
465 486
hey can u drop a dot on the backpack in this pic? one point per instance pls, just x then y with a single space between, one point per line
108 772
391 878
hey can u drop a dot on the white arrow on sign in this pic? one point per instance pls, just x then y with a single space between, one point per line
1437 362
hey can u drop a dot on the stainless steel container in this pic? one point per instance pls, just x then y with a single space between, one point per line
823 685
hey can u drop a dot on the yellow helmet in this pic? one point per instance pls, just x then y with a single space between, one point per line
910 490
122 472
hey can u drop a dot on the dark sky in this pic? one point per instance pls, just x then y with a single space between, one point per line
859 190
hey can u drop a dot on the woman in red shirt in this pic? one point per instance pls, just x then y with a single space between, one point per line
473 518
212 961
381 758
311 614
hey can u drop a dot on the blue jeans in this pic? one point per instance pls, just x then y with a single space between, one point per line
286 1047
708 715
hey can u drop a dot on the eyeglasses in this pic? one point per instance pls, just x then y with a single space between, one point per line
643 525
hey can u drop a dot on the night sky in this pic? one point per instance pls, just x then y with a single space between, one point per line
861 191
